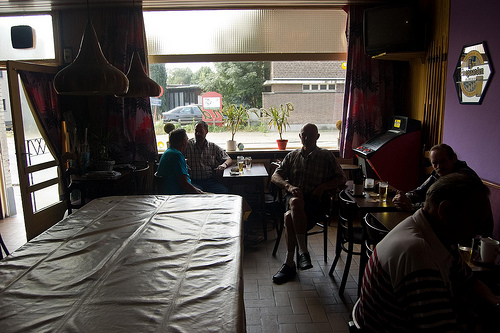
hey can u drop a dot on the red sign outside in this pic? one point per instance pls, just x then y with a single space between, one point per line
211 105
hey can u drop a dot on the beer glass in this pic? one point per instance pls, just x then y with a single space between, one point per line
382 190
248 162
241 163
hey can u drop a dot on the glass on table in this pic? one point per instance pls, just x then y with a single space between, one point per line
383 188
241 163
248 163
465 251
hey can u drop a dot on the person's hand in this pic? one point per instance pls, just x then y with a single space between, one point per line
295 191
402 201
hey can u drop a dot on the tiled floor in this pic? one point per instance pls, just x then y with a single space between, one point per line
310 303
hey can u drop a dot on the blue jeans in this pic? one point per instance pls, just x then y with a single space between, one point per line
210 185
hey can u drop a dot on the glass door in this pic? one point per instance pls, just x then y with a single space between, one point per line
38 167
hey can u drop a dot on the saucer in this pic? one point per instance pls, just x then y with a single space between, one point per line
477 260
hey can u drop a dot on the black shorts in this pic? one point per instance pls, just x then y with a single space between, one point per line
315 210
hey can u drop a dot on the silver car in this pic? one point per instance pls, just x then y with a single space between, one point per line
183 114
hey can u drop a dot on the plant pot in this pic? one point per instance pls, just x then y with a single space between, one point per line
282 144
231 145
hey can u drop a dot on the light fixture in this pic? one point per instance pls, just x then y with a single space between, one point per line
90 73
140 85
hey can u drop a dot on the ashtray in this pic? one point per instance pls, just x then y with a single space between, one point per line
373 195
234 173
356 195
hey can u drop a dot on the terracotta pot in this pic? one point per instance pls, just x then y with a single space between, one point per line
282 144
231 145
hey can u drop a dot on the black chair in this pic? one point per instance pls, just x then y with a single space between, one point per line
320 227
373 233
140 178
159 184
3 247
74 192
347 236
354 326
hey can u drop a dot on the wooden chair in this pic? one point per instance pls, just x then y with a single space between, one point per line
372 234
347 236
320 227
159 184
3 247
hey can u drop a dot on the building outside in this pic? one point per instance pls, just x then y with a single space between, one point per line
314 87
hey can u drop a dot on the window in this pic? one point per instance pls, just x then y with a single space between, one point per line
220 37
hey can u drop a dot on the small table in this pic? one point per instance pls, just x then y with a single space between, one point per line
369 203
253 176
390 219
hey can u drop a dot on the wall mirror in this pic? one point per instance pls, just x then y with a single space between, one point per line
473 73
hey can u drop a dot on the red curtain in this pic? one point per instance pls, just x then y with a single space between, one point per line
370 91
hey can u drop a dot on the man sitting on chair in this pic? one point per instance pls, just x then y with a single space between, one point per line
306 174
416 279
444 161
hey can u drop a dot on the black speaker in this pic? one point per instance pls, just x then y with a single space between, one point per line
22 37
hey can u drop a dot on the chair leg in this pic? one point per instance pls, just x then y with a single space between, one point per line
325 241
4 247
279 232
338 251
362 265
346 270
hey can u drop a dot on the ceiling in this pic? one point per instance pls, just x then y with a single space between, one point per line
9 7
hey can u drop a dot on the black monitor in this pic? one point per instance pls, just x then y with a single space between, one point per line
393 28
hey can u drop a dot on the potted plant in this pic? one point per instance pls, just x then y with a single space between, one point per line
278 118
234 116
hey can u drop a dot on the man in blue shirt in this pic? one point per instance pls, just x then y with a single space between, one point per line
173 168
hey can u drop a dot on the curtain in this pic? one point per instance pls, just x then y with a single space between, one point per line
124 126
370 91
43 99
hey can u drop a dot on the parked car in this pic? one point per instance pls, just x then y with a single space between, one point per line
183 114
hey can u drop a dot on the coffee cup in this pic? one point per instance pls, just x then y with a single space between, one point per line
489 249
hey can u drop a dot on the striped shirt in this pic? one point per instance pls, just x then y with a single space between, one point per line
203 161
308 172
410 282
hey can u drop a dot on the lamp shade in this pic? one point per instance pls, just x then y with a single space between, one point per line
140 85
90 73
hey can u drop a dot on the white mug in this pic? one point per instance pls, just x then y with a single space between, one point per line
489 249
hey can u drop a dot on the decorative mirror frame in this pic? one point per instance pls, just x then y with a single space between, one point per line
473 73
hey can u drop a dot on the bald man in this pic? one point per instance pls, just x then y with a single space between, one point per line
307 174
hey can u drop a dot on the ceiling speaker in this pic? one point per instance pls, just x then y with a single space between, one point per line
22 37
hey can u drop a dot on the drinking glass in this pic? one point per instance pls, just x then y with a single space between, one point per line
241 163
382 190
465 252
248 162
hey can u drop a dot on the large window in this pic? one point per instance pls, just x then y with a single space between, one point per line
293 70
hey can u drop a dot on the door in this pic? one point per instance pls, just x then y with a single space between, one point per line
38 166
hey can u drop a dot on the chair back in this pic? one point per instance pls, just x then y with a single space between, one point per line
347 213
159 184
141 179
3 248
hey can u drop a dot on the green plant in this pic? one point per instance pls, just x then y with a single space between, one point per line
278 117
234 117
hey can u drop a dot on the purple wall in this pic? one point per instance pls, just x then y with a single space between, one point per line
474 130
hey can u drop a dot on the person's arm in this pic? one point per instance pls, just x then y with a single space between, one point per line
337 181
187 186
281 182
225 164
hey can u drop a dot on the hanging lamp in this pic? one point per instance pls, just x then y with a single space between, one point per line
90 73
140 85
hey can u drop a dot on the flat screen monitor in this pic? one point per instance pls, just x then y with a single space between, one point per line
394 28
